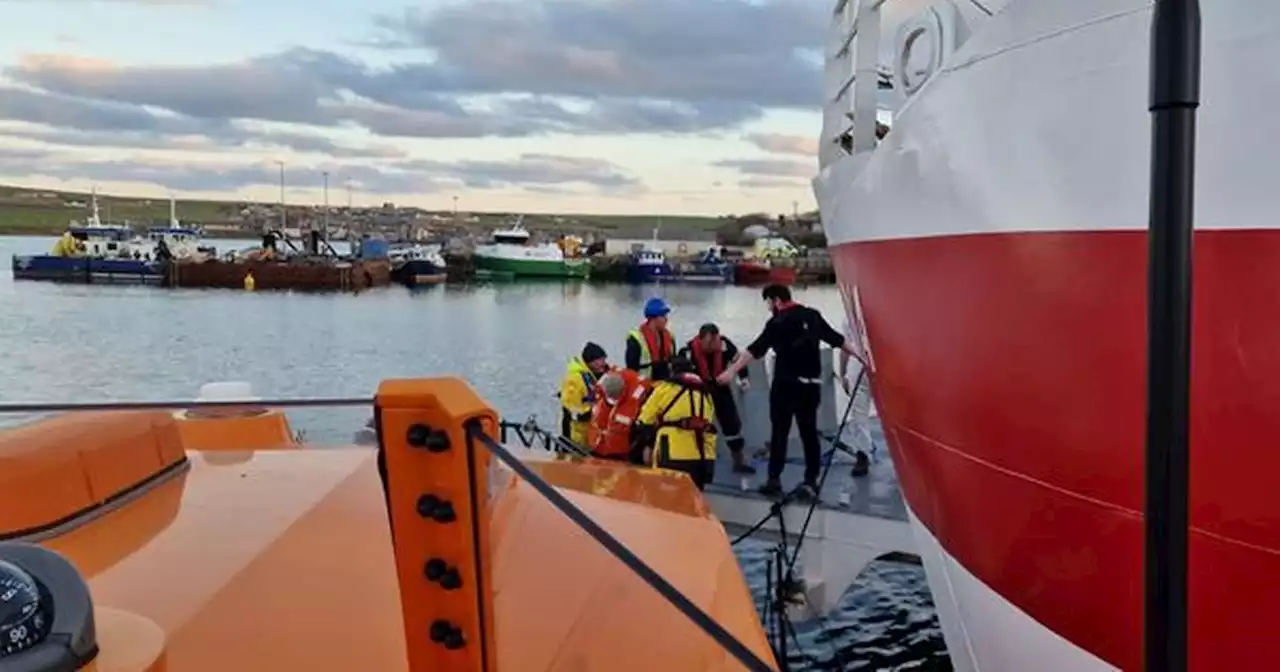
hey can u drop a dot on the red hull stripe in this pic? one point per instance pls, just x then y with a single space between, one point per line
1010 376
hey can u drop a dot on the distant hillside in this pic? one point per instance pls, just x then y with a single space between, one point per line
47 212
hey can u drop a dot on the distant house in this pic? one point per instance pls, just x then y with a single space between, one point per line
686 243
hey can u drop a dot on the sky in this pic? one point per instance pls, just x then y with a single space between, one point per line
592 106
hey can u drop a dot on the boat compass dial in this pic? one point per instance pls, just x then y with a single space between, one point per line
24 617
46 616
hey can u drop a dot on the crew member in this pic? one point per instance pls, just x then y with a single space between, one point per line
622 392
679 417
578 392
66 246
710 352
794 333
651 347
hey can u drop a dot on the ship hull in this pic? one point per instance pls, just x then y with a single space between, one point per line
419 272
534 268
640 274
992 256
88 270
1010 378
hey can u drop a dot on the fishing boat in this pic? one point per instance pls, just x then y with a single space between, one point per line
991 249
510 251
648 265
94 252
418 265
709 268
150 536
760 271
182 242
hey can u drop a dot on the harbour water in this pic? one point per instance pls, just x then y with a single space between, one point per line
511 340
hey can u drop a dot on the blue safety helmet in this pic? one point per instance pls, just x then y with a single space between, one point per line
655 307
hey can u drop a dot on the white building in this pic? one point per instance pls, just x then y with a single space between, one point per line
688 244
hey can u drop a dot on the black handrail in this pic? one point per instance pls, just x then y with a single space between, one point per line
731 644
1175 96
178 404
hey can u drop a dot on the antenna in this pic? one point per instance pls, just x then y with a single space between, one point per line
1175 95
93 200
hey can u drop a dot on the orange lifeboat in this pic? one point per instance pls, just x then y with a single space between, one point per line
284 559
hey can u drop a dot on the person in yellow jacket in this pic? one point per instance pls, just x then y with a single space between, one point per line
66 246
578 392
679 419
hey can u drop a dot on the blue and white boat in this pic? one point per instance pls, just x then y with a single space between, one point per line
710 268
95 252
418 265
183 242
649 264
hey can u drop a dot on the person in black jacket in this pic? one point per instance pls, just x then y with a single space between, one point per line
794 333
710 352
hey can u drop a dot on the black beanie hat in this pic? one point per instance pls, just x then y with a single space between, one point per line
591 352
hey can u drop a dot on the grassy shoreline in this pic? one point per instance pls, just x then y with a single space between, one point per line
44 212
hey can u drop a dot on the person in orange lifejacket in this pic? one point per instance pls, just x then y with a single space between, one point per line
651 347
622 391
676 426
711 353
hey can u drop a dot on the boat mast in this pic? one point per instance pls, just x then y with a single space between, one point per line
1174 97
93 201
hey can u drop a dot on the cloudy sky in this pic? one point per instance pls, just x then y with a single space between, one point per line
628 106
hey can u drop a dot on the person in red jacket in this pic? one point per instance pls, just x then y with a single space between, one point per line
622 391
712 353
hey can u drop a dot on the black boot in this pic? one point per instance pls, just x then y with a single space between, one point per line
771 488
861 465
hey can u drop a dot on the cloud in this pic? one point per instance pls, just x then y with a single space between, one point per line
770 167
530 169
561 66
394 177
784 144
720 51
228 139
155 3
760 183
465 69
80 122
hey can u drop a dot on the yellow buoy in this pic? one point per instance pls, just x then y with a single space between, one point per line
249 282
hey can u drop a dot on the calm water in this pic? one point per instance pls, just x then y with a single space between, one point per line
94 343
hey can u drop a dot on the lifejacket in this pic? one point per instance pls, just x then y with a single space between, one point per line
655 346
710 364
610 431
700 420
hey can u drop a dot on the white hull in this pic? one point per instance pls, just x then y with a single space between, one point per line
985 632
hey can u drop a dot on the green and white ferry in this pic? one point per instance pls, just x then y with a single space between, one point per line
510 253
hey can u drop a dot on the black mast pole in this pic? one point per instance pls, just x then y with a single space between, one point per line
1175 95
